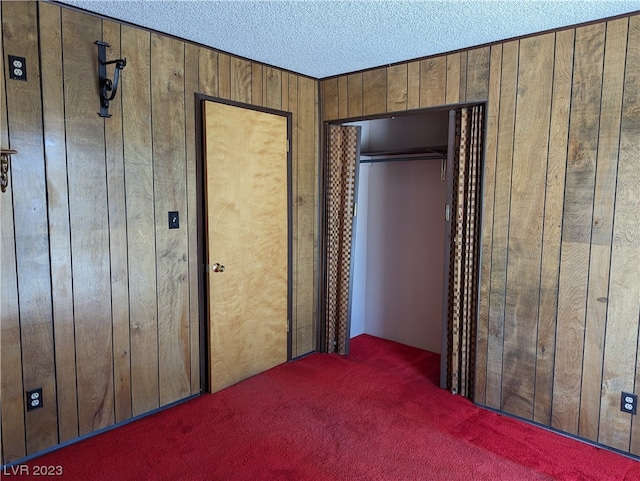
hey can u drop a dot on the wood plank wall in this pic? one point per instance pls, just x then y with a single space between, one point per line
99 301
560 272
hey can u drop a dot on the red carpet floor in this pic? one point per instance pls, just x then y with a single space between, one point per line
374 415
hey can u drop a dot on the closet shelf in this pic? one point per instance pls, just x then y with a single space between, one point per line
438 150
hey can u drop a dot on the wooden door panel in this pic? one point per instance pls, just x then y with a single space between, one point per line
247 232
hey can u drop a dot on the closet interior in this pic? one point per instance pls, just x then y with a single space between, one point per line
399 257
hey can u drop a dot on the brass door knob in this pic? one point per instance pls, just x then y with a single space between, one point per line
217 267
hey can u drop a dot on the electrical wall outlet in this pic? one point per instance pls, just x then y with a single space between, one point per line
628 403
17 68
34 399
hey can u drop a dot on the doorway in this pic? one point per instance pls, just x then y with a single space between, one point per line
456 141
247 186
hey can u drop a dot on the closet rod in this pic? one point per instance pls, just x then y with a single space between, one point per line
395 159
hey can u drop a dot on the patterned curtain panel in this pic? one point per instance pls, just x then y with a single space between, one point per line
465 241
342 165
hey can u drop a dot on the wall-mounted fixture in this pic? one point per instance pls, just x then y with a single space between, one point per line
108 88
4 168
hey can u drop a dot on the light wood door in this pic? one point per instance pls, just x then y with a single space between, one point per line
247 233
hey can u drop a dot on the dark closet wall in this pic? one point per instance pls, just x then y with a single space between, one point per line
99 300
560 274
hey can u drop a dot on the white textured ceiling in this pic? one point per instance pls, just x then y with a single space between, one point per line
321 38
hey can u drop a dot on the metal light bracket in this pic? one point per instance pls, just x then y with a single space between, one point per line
107 88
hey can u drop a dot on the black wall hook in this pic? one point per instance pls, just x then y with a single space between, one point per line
107 88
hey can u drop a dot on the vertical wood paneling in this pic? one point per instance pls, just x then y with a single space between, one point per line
257 87
602 227
488 189
528 177
169 179
191 79
224 76
293 108
263 80
433 81
241 80
208 72
500 238
355 95
306 209
118 241
316 196
12 407
138 164
452 95
554 203
464 56
316 206
58 210
477 74
397 88
374 91
576 228
623 312
629 134
330 99
413 85
343 97
273 90
89 223
285 91
28 186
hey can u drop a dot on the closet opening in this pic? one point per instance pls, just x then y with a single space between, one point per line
409 205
